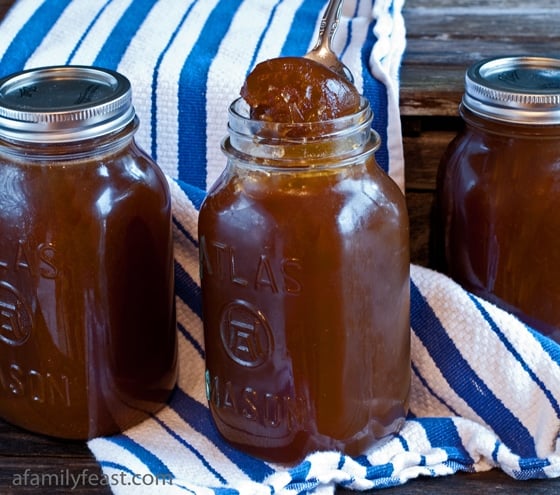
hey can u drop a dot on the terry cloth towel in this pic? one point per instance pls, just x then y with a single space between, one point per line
486 388
187 60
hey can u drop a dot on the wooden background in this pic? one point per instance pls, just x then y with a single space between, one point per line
443 39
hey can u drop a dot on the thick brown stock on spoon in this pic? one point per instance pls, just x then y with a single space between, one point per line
313 88
297 89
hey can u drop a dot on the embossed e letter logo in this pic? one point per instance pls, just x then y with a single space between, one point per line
246 334
15 318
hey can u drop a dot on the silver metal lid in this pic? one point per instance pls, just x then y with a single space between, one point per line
64 103
524 90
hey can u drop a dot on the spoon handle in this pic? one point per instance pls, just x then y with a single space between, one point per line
329 24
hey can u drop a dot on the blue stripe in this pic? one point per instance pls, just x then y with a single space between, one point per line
496 451
549 346
376 92
341 461
362 460
300 472
515 353
350 26
198 416
185 232
442 433
375 471
416 371
186 489
262 36
149 459
30 36
122 34
188 290
195 451
300 482
464 380
195 194
87 30
381 471
117 466
299 38
531 469
155 78
303 488
403 442
196 345
388 482
192 94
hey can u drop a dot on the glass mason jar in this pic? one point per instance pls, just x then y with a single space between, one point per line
87 319
305 281
499 188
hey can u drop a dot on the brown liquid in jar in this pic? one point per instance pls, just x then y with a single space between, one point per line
499 188
87 326
305 281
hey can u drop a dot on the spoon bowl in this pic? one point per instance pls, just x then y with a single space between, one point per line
322 51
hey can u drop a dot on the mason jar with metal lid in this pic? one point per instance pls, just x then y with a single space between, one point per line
87 315
499 188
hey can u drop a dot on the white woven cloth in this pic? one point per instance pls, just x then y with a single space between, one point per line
486 389
485 393
187 60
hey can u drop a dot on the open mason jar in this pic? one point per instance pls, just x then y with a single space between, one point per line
304 254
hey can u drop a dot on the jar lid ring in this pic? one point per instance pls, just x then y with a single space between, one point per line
517 89
64 103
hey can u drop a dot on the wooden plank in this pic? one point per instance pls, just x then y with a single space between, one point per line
443 40
469 23
460 53
423 151
420 206
469 484
482 6
431 90
422 156
424 142
4 7
13 439
44 456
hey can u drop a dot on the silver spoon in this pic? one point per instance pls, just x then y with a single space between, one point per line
322 52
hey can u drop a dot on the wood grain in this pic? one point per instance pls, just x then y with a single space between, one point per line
443 38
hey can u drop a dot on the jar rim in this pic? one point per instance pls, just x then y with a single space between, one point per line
57 104
293 146
239 118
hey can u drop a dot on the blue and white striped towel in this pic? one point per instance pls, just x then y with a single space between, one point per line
187 60
486 389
